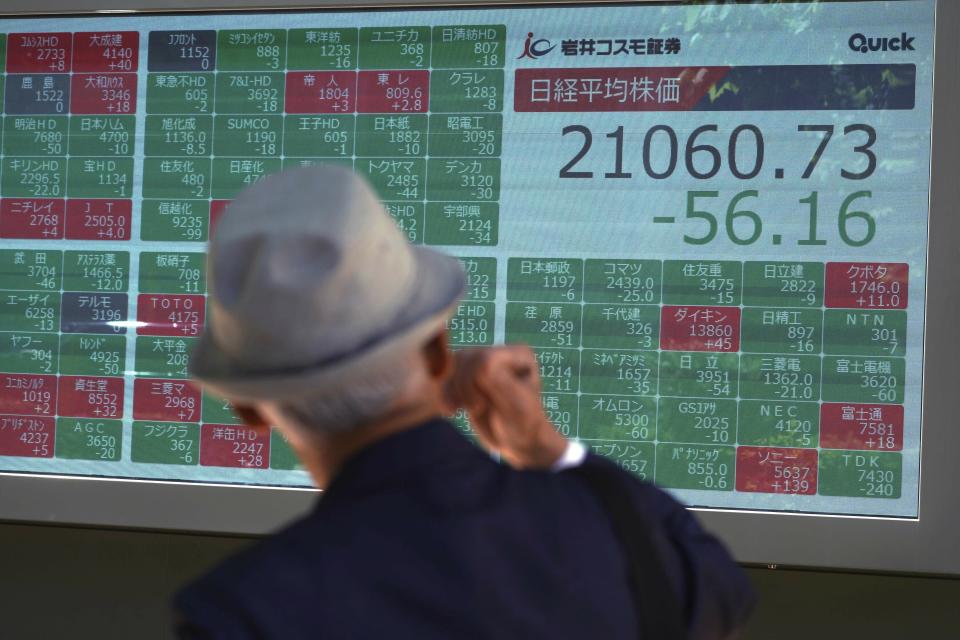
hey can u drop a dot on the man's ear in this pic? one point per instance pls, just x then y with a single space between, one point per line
252 418
438 356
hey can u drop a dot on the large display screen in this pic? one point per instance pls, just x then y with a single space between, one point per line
709 221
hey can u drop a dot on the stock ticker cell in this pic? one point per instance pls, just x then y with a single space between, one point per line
873 427
165 442
30 395
777 470
166 400
393 91
103 93
700 328
866 285
31 219
223 445
217 209
90 397
105 51
99 219
39 52
321 92
27 436
99 313
89 439
170 315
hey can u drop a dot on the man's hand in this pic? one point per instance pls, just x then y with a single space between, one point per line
500 389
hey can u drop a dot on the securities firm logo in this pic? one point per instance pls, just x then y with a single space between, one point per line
534 48
862 44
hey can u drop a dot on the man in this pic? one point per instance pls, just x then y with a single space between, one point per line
328 325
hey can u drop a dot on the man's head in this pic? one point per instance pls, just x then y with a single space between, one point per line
322 316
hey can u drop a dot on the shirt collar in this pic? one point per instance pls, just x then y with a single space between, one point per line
428 446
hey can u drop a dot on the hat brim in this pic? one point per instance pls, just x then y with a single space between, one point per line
439 284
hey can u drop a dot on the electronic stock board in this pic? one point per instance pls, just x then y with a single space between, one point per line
710 223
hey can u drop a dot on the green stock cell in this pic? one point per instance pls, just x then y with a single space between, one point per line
165 442
281 453
409 219
469 46
697 421
702 282
865 333
691 466
765 423
98 271
698 374
35 177
545 279
395 179
559 370
35 135
775 377
629 418
100 177
389 136
251 93
30 269
172 272
251 49
175 178
3 52
346 163
106 136
463 179
394 47
622 281
618 372
481 278
466 91
474 224
863 379
92 355
561 411
232 175
787 331
317 136
465 135
783 284
174 220
159 357
860 474
30 310
23 352
322 49
89 439
472 324
621 326
171 93
178 135
216 410
639 458
248 136
543 324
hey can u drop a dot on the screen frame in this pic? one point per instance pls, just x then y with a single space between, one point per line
926 545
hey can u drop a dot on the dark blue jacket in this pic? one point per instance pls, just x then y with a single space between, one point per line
423 536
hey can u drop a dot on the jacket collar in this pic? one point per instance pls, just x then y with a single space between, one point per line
427 447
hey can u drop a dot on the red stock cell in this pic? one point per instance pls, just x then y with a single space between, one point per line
39 52
870 427
31 218
217 209
687 328
27 436
107 51
160 314
777 470
321 92
30 395
866 285
224 445
90 397
393 91
165 399
103 93
99 219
